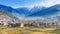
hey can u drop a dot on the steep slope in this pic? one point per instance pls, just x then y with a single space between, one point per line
23 10
10 10
36 9
28 11
49 11
6 8
5 17
7 13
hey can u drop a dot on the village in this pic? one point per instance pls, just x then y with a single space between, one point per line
10 22
11 25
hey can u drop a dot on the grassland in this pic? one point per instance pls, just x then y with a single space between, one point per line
28 30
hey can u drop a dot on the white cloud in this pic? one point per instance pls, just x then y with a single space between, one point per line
49 3
29 7
16 6
46 3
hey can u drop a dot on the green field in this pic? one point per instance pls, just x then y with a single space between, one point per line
28 30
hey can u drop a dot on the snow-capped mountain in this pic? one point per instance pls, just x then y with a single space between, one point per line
54 10
36 11
23 11
26 11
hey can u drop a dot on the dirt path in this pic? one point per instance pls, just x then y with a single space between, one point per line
41 33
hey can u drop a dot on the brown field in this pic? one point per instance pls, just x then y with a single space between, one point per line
28 30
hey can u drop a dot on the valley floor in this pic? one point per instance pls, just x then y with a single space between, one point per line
28 30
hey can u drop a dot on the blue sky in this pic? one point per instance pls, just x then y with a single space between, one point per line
16 3
20 2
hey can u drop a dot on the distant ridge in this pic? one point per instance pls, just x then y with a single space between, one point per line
48 11
36 11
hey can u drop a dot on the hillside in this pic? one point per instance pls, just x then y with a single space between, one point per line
5 16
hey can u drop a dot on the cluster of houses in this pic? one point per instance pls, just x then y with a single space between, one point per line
40 23
5 20
29 23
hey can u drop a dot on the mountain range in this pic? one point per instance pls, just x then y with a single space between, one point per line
36 11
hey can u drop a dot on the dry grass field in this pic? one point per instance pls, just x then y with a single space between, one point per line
28 30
